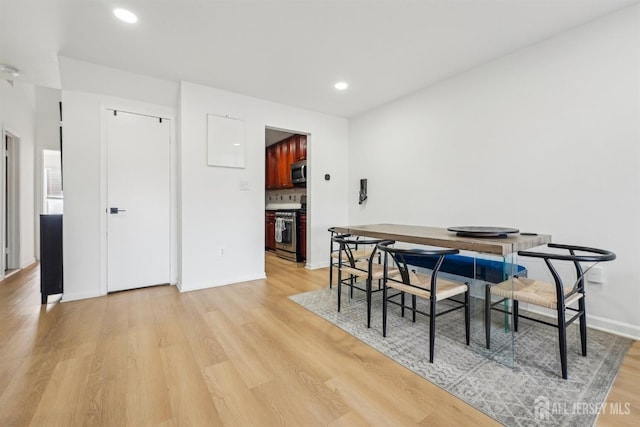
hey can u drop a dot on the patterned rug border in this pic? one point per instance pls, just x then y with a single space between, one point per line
530 393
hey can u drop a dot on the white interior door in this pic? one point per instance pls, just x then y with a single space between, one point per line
138 201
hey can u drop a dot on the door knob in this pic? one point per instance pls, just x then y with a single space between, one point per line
114 211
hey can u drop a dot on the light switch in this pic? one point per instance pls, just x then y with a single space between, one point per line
244 185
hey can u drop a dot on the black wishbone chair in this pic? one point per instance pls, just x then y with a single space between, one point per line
430 287
353 267
552 296
358 254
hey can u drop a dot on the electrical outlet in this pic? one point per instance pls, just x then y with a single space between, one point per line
221 251
244 185
595 275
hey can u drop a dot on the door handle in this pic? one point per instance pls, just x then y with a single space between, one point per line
114 211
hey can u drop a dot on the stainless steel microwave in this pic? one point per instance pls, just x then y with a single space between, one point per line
299 172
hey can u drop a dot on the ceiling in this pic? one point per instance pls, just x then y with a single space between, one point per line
286 51
273 136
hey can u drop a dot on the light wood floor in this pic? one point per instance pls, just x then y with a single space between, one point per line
239 355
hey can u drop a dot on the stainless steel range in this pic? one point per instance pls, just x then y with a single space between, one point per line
286 231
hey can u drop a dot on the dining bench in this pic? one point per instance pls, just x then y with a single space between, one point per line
487 270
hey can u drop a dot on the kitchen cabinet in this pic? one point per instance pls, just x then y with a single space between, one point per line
270 230
278 160
284 165
271 169
300 142
302 236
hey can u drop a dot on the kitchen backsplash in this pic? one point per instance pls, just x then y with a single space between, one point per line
285 196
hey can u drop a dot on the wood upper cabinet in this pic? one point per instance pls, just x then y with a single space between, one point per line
284 164
279 158
271 169
301 148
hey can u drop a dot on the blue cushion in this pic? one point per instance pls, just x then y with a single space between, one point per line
488 270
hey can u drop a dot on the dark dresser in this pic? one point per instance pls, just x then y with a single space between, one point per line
50 256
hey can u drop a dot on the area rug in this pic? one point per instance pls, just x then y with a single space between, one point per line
530 392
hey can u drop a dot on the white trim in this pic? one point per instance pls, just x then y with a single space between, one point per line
613 326
146 110
66 297
14 195
317 265
214 284
2 207
596 322
14 221
28 263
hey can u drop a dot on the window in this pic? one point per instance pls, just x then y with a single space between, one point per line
52 182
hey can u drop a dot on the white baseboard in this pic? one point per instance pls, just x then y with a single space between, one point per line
213 284
615 327
66 296
317 265
28 263
619 328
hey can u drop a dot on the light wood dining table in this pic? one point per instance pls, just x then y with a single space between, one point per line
441 237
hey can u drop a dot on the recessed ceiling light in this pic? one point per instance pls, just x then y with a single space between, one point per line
126 16
341 85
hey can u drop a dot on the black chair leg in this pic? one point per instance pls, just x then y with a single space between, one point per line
368 303
339 287
330 272
487 315
562 338
467 316
413 306
583 325
402 304
432 328
515 315
351 280
384 311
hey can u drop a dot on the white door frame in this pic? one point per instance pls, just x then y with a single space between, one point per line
145 110
13 219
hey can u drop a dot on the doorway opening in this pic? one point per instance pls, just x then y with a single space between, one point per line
11 205
286 193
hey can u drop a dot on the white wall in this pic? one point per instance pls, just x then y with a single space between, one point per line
217 214
545 140
87 90
210 210
17 115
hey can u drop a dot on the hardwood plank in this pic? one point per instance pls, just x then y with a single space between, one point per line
189 397
148 400
245 355
63 398
623 404
234 401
